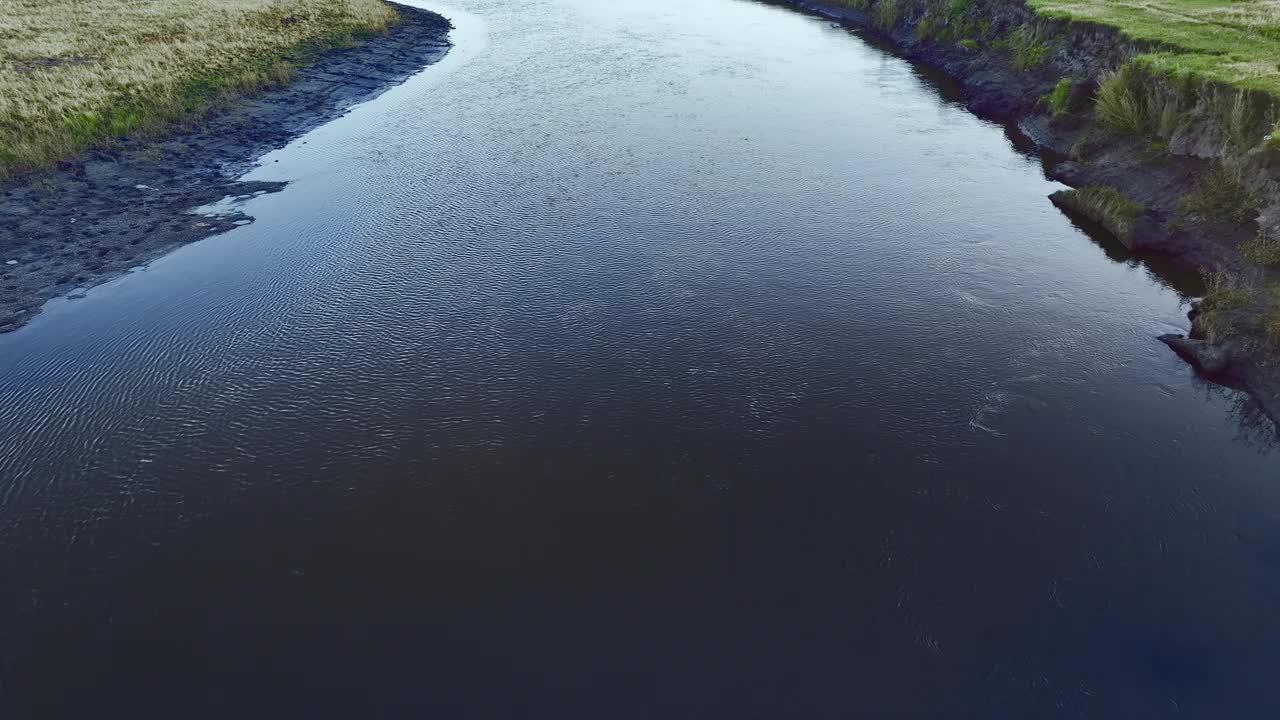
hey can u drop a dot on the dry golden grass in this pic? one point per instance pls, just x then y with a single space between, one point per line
77 73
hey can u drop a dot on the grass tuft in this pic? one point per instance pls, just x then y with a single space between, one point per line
1271 328
885 14
1262 249
1058 100
1026 51
1219 196
1104 205
1239 121
1119 102
1224 293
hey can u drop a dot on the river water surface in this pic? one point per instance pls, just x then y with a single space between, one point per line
675 358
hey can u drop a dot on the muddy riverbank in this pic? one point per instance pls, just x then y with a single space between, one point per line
113 210
1195 195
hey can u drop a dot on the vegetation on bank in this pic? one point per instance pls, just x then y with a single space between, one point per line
1234 42
1105 205
75 74
1236 306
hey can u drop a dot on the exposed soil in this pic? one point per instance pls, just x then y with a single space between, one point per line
112 210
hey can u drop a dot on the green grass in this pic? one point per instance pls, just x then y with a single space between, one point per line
1224 293
1110 202
1121 102
1270 320
1273 138
968 44
1058 100
1105 205
1271 328
1026 50
885 14
76 74
1218 196
1262 249
1236 42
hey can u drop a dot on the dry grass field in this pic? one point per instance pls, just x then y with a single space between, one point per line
76 73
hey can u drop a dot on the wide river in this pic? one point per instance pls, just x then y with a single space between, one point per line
641 359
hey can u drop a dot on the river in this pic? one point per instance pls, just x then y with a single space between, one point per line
662 358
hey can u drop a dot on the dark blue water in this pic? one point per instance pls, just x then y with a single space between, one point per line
657 358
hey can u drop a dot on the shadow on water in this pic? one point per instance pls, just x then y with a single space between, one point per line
1175 275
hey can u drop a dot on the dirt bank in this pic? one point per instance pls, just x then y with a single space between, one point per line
1195 178
109 211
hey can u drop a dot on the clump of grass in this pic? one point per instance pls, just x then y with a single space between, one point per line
1271 327
1058 100
885 14
1120 102
1262 249
1104 205
1166 116
1219 196
1224 293
1026 51
968 44
927 27
76 74
1239 121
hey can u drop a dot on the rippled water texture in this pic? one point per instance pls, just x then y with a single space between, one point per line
641 359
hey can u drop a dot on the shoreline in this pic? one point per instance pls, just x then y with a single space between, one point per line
1228 343
106 212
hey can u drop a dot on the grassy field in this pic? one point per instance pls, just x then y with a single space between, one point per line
77 73
1236 42
1232 41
